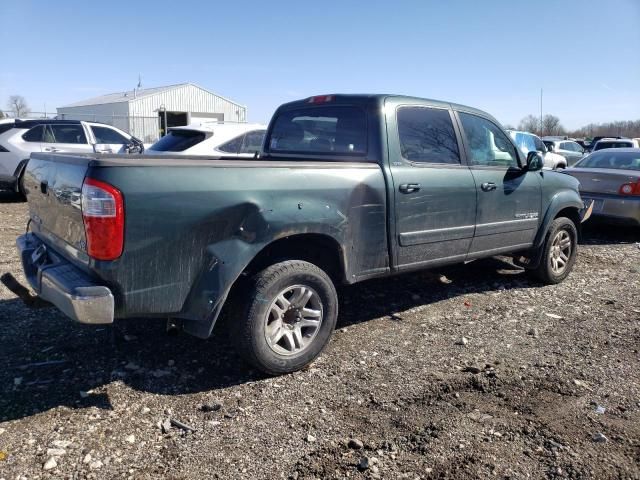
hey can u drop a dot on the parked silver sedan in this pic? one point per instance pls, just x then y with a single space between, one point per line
611 178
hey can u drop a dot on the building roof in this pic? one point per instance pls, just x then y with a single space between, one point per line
132 95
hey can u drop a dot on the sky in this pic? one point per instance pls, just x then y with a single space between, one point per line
493 55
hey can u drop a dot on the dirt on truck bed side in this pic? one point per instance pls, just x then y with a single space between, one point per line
465 372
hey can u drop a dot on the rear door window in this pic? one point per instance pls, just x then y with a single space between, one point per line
427 135
178 140
68 134
324 130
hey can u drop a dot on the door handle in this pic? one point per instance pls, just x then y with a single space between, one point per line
409 187
50 149
488 186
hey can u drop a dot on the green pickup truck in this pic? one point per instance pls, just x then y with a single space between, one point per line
346 188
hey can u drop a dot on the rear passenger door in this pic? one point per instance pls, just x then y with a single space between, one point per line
434 192
509 197
65 138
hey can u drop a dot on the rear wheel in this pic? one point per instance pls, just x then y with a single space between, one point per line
20 187
559 252
290 316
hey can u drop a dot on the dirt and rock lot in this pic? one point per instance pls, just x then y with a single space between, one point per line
467 372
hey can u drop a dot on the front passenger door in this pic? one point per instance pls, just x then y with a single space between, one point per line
509 197
109 140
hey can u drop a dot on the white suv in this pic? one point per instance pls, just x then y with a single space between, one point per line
528 142
240 140
20 138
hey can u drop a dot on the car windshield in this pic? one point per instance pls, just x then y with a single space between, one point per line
178 141
320 130
612 159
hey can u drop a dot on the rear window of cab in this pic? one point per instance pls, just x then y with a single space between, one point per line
320 130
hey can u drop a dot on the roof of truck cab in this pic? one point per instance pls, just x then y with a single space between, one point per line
381 98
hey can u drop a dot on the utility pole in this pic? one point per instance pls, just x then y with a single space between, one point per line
541 132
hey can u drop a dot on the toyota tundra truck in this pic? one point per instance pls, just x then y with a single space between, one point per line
346 188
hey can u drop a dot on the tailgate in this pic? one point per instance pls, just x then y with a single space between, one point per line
53 185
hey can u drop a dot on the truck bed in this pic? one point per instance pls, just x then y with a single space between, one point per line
192 224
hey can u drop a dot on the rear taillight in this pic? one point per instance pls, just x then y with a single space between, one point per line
630 188
103 215
320 99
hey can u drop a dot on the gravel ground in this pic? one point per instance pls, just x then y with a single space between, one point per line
545 384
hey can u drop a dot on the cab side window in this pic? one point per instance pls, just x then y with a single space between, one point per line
488 146
427 135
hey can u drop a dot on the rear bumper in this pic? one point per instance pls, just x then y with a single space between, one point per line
59 282
615 208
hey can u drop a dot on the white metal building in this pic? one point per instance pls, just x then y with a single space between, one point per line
146 112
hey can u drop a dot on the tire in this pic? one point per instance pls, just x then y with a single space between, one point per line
284 302
551 270
20 187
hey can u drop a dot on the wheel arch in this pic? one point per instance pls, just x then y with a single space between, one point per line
227 285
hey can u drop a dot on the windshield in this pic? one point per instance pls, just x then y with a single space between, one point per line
611 159
178 141
325 130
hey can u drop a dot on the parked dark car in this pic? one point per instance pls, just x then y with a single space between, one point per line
347 188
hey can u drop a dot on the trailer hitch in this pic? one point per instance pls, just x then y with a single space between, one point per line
22 292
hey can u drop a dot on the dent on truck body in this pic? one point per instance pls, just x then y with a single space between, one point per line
184 262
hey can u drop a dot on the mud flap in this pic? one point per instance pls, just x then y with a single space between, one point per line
585 213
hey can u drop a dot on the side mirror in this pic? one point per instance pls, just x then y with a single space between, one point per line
535 161
102 148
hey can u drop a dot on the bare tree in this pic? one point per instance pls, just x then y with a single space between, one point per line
530 124
1 114
628 128
551 125
18 105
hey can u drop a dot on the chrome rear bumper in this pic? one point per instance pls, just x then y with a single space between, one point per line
59 282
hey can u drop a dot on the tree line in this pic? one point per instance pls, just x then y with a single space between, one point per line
552 126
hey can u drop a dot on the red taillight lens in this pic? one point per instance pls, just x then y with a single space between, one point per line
320 99
630 188
103 215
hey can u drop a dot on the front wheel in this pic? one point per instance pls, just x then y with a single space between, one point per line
290 316
559 252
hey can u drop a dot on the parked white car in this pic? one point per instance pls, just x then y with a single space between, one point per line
20 138
616 143
528 142
242 140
